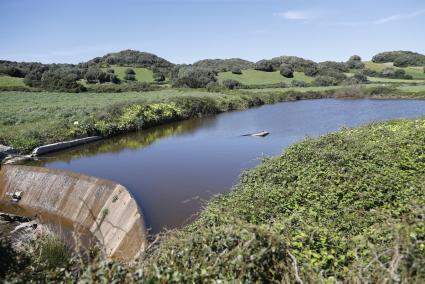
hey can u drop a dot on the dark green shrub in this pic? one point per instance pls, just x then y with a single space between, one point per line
332 65
96 75
323 81
57 81
402 61
194 78
400 58
286 71
11 71
264 65
395 73
231 84
223 65
311 71
110 70
236 71
338 75
129 71
355 62
369 72
360 77
297 83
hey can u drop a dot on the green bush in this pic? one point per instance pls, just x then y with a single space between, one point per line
355 62
194 78
400 58
129 71
236 71
231 84
264 65
323 81
286 71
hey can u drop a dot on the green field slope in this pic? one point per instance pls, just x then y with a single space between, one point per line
7 81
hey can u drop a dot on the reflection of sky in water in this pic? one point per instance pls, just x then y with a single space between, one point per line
169 169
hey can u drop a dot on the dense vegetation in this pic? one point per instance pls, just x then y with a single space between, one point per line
348 206
132 58
400 58
224 65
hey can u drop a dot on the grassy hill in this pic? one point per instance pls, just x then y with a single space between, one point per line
255 77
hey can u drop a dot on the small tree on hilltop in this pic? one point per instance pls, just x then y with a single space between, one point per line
286 71
355 62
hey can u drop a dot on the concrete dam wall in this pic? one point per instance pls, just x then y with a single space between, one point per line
104 208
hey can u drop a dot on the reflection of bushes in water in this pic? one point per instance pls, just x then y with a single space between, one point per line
132 141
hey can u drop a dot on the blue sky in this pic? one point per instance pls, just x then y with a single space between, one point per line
184 31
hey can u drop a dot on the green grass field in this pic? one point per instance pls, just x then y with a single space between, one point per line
7 81
142 74
254 77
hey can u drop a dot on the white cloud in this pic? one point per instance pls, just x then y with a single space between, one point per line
298 15
398 17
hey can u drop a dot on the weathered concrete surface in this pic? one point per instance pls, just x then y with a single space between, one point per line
103 207
63 145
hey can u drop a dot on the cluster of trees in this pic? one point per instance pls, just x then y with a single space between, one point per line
393 73
17 69
56 77
224 65
192 77
400 58
327 73
96 75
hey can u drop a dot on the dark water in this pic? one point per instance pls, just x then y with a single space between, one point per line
171 170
